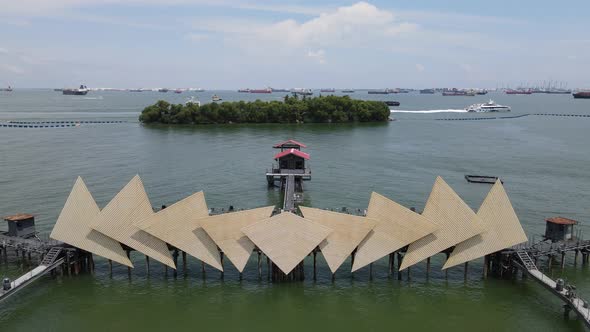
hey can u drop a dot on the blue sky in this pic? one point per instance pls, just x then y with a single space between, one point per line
231 44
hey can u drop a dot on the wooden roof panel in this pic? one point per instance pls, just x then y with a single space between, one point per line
455 220
397 226
180 225
73 226
348 232
226 230
503 229
117 220
286 238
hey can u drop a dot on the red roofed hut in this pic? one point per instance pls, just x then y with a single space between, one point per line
559 229
290 161
289 144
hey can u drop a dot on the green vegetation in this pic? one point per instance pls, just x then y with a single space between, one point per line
328 109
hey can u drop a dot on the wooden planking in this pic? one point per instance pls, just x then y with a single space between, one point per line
117 220
73 226
180 225
348 232
286 238
226 230
397 226
503 229
456 222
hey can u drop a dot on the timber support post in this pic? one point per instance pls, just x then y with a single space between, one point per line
314 265
399 265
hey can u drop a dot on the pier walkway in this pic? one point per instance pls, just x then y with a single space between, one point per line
566 294
51 261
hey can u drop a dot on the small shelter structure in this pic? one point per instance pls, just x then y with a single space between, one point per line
21 225
559 229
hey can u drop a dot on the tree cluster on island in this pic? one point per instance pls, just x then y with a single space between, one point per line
322 109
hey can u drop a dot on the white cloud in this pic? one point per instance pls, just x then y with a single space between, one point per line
11 68
319 56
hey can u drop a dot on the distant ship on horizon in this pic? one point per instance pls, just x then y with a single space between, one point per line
81 91
9 89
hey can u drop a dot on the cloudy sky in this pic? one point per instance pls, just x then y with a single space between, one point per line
332 43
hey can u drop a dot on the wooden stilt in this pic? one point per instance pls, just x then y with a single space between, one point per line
390 265
352 262
147 264
91 261
562 260
465 271
486 260
427 267
221 261
268 268
314 266
259 266
203 269
576 257
399 265
409 275
175 258
550 261
371 271
128 268
184 262
447 270
68 263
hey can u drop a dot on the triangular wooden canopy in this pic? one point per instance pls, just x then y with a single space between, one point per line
73 226
397 226
455 220
503 229
226 230
180 225
286 238
348 232
117 220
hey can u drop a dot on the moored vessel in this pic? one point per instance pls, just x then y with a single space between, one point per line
327 90
348 91
267 90
9 89
246 90
392 103
163 90
519 92
427 91
302 92
216 98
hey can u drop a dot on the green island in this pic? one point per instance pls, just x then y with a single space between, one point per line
322 109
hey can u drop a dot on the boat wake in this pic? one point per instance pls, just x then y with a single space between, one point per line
430 111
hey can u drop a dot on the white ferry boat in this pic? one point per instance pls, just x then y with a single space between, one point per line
490 106
216 98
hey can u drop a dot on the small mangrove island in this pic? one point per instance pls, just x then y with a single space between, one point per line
322 109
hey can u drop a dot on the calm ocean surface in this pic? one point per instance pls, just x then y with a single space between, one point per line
544 162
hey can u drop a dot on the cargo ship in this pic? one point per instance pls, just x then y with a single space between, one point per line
582 95
348 91
163 90
280 90
378 92
81 91
519 92
244 90
302 92
327 90
456 92
267 90
178 91
427 91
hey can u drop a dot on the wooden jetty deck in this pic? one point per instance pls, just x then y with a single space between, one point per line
52 260
566 294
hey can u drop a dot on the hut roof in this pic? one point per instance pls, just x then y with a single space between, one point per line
561 221
503 229
117 220
455 219
180 225
397 226
286 238
226 230
349 231
296 152
19 217
290 142
73 226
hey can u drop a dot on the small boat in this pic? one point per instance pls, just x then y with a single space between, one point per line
163 90
216 98
81 91
488 107
482 179
192 100
348 91
391 103
9 89
178 91
582 95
